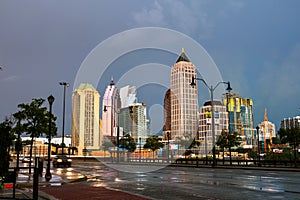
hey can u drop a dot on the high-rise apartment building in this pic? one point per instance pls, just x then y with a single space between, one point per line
266 133
184 99
133 119
205 121
291 122
85 118
112 103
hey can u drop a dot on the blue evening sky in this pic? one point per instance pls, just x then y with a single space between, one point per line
255 44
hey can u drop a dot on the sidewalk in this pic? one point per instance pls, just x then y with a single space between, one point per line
63 188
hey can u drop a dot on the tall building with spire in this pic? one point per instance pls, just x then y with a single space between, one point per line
112 103
85 118
266 133
184 99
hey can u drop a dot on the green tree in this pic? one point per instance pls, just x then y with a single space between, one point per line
128 142
35 121
222 142
228 140
6 140
153 142
292 137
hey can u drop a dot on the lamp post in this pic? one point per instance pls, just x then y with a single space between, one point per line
140 141
258 149
48 175
211 90
118 132
65 84
206 161
168 136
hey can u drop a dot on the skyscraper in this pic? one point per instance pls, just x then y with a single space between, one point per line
240 115
184 99
267 132
85 118
112 102
133 119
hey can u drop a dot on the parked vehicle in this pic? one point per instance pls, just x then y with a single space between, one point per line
61 161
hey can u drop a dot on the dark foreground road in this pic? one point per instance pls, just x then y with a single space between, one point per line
80 191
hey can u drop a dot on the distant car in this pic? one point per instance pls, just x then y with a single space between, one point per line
61 160
26 159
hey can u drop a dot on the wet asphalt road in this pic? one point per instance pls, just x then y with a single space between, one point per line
195 183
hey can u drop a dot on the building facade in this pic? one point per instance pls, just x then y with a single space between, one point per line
291 122
266 132
133 120
85 118
184 99
167 115
128 96
205 128
240 115
110 109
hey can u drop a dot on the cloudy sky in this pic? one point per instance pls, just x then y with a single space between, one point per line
255 45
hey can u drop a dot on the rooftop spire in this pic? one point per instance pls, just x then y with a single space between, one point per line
183 57
265 115
112 81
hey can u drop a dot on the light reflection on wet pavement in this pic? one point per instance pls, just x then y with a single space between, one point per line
195 183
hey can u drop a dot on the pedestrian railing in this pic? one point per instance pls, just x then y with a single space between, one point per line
10 181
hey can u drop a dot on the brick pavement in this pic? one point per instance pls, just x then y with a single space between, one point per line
79 191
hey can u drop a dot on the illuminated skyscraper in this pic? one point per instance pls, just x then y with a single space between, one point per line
240 115
85 118
240 112
184 99
112 102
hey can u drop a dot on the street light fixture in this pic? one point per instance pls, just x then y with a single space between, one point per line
258 149
65 84
212 89
48 175
118 133
168 137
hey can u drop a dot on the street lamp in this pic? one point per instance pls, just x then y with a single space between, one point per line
65 84
168 136
258 149
118 132
140 141
212 89
48 175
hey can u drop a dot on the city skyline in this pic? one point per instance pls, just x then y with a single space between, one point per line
254 44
